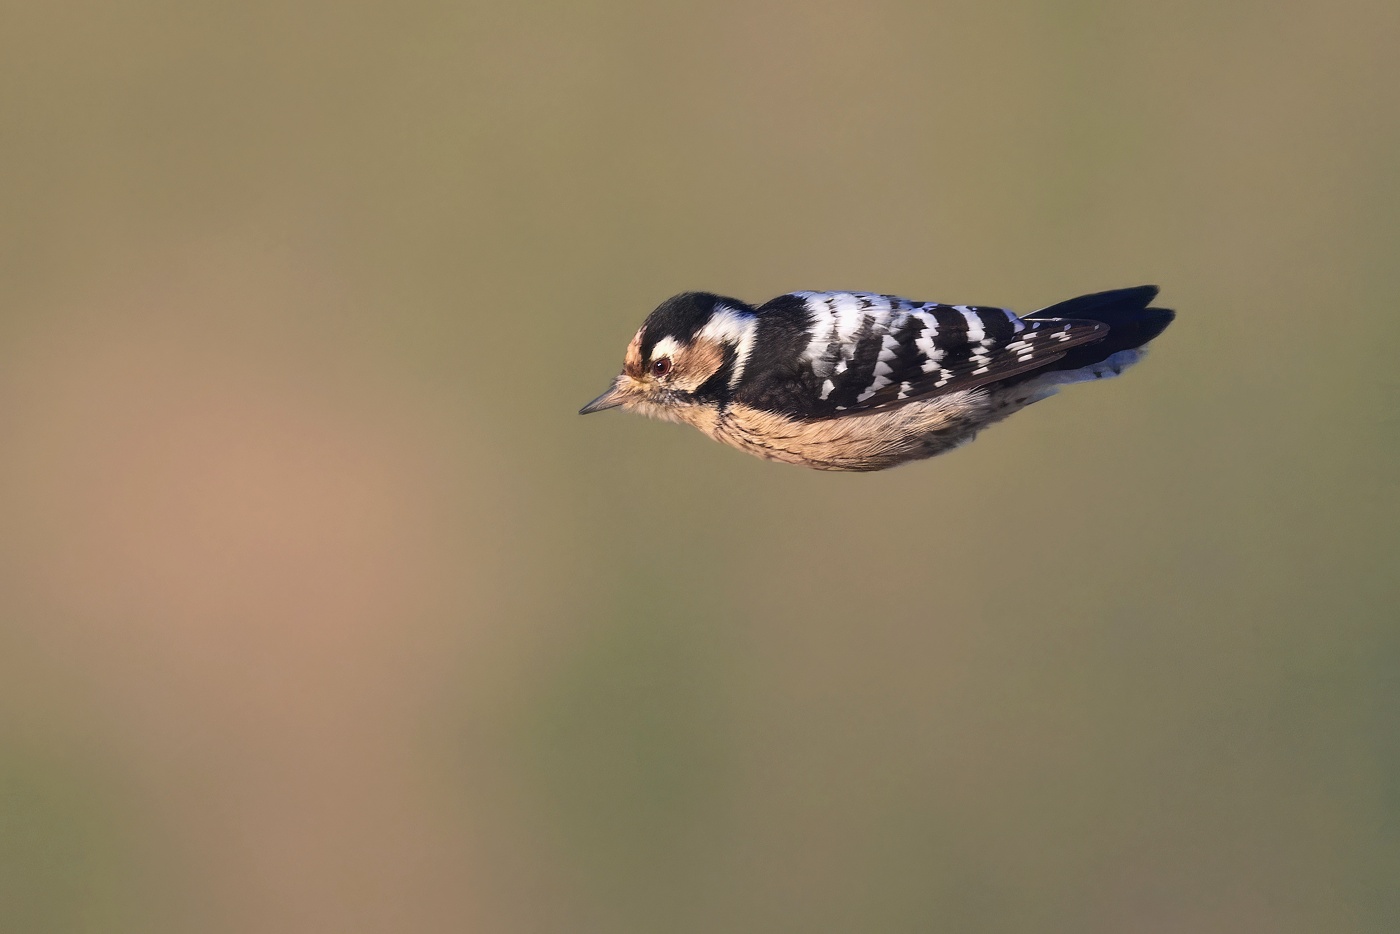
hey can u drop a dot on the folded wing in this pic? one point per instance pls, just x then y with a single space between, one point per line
870 351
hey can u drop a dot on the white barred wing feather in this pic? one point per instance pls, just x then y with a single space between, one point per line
869 351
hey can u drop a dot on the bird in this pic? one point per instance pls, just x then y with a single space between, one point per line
859 381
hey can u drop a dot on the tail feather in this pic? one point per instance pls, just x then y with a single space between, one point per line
1090 306
1131 324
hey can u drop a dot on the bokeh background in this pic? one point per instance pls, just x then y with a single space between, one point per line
321 610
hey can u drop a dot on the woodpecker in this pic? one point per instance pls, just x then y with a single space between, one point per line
858 381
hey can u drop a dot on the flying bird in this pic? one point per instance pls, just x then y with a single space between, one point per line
860 381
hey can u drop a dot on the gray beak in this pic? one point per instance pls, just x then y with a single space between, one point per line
608 400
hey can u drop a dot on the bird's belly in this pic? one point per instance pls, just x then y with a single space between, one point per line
856 442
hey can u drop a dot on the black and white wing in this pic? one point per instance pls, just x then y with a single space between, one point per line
870 351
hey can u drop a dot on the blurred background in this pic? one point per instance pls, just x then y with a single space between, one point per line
322 610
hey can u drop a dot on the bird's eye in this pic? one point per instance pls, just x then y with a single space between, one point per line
660 366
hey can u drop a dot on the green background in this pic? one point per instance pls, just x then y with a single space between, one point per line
321 610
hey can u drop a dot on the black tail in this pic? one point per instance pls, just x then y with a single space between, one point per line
1130 323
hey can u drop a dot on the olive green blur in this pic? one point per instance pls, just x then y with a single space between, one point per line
321 609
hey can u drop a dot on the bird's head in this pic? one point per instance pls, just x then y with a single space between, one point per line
687 357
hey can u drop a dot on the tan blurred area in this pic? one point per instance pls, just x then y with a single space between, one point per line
321 610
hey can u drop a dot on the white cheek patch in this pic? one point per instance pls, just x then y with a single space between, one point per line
727 326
